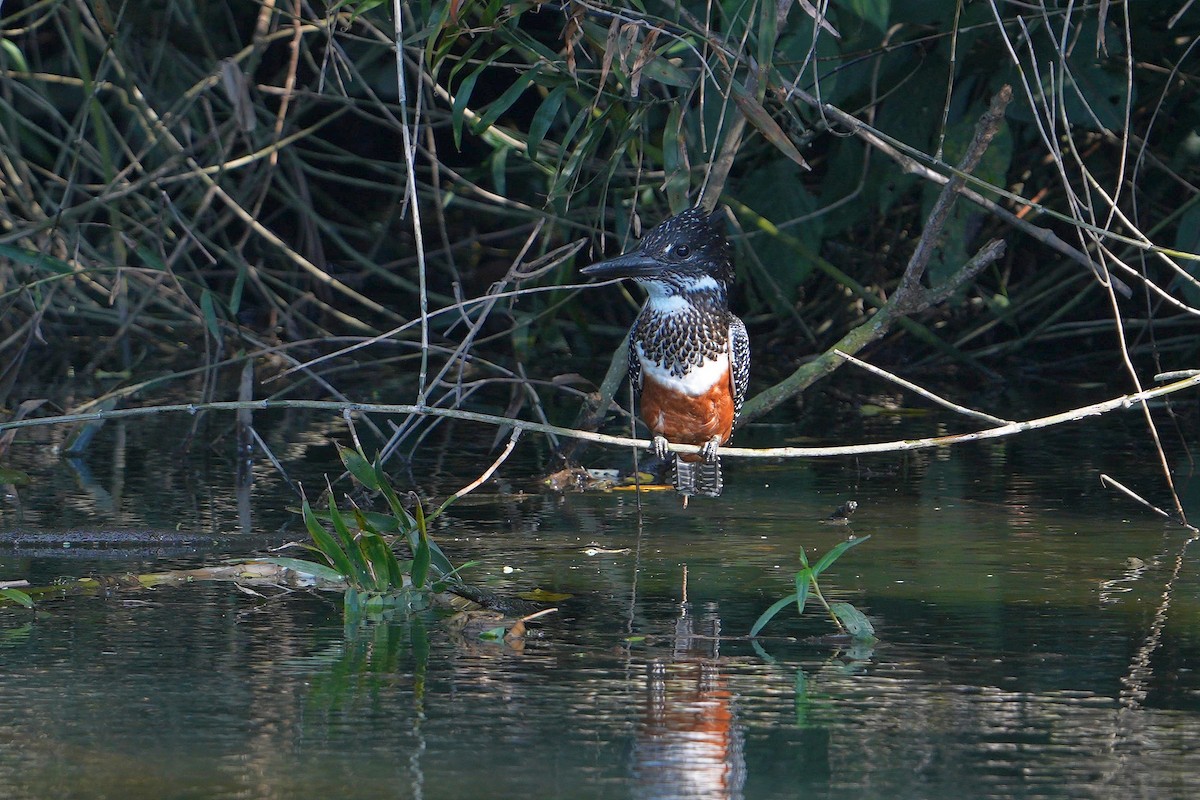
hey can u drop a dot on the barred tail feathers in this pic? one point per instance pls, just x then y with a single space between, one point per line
701 478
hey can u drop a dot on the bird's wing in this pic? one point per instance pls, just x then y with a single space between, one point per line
635 363
739 356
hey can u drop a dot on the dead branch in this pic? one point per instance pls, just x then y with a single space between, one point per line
1096 409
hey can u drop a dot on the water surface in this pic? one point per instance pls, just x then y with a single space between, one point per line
1037 636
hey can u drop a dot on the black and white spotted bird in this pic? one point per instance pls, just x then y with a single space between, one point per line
689 356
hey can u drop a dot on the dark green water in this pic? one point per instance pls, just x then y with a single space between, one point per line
1021 653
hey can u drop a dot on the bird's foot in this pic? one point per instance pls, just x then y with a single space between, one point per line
709 451
661 447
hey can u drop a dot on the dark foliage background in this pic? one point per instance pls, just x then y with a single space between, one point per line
197 184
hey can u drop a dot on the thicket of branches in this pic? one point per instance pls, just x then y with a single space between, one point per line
211 183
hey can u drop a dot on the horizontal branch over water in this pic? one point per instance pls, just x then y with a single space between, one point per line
1000 431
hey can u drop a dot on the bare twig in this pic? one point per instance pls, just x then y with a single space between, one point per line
1114 483
912 387
1073 415
487 473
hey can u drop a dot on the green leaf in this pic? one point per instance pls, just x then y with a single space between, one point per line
662 71
835 552
402 516
326 544
777 189
31 258
768 31
461 98
14 54
13 476
770 613
235 294
875 12
381 561
853 620
150 258
208 309
351 546
675 160
17 596
421 555
804 579
505 101
492 634
305 567
378 522
543 118
757 116
499 161
359 467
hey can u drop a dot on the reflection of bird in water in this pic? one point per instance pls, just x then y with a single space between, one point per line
689 744
689 357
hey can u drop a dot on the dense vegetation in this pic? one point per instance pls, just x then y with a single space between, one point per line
201 184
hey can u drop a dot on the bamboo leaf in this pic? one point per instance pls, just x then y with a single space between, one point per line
462 98
150 258
757 116
768 32
675 158
543 118
499 167
235 294
506 100
660 70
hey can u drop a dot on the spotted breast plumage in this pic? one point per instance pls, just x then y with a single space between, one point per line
689 356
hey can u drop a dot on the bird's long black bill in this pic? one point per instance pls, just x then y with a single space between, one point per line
629 265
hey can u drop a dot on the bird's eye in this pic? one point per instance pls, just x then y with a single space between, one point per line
682 251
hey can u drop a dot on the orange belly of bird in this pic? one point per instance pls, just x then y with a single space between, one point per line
688 419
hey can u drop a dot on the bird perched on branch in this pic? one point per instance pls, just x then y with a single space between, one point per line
689 357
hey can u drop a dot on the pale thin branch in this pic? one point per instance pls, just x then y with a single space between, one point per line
487 473
1114 483
912 387
1096 409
